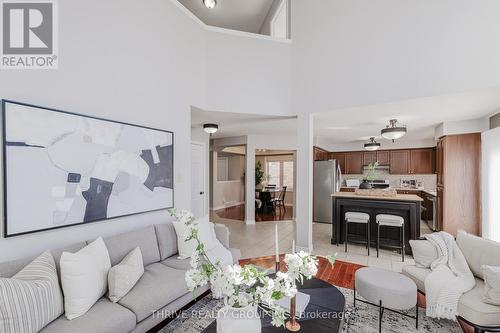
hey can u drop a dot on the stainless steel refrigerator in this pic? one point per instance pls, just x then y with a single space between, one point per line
327 178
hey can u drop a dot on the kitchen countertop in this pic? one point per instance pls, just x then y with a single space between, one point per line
399 197
431 192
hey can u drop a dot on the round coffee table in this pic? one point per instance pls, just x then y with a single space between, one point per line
324 313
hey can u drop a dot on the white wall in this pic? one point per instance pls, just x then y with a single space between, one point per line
490 150
248 74
462 127
230 192
128 63
358 52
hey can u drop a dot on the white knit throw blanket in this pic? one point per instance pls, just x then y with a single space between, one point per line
449 279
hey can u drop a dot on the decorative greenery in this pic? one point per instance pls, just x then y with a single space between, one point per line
259 174
243 286
372 172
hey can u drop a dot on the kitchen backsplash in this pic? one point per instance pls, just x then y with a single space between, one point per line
429 180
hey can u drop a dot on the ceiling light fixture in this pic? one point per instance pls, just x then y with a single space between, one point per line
210 3
393 131
210 128
372 145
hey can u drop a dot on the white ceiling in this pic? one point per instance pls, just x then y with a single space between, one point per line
243 15
358 124
236 124
420 115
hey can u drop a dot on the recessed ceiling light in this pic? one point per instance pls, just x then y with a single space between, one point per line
393 131
211 128
210 3
372 145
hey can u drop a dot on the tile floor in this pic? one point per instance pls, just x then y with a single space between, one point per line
258 240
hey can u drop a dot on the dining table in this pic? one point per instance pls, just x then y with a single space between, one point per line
266 195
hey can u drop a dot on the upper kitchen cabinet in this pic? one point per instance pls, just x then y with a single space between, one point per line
383 157
354 162
399 162
340 157
422 161
320 154
369 157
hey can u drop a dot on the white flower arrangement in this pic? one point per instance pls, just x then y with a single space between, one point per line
242 286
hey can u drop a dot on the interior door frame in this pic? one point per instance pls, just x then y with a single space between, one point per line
205 174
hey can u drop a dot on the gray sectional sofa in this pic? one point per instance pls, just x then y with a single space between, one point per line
160 291
471 309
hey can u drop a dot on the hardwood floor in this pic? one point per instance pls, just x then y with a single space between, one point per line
341 274
238 213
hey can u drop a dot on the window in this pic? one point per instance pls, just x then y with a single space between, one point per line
274 173
280 173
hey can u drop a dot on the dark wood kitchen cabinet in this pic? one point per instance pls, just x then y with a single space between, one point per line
369 157
422 161
340 157
459 183
320 154
399 162
383 157
354 162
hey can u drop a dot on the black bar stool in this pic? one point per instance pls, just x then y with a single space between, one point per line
357 217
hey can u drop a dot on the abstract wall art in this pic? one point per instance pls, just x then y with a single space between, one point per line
62 169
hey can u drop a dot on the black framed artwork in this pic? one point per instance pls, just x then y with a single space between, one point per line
63 169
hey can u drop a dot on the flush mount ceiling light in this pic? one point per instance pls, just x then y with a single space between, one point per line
393 131
372 145
210 3
211 128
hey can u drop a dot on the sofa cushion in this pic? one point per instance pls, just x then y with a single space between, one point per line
32 298
417 274
472 308
167 240
478 252
121 245
174 262
103 317
159 286
10 268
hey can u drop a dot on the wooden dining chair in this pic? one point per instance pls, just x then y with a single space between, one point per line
280 201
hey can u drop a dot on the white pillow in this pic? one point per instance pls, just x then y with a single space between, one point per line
187 248
491 284
123 277
84 277
32 298
424 252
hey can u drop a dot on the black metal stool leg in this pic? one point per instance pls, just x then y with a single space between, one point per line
403 242
380 314
378 239
416 316
368 236
346 232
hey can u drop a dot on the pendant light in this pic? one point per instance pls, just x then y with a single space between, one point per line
372 145
210 128
210 3
393 131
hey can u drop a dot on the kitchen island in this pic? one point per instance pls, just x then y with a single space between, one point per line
404 205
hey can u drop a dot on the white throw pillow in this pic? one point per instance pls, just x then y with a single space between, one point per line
424 252
32 298
84 277
123 277
187 248
491 284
